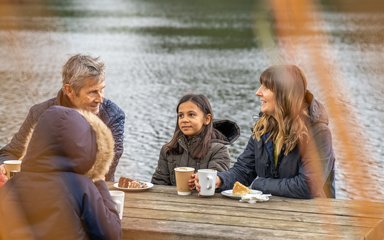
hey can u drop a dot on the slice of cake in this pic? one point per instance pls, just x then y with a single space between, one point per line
125 182
239 189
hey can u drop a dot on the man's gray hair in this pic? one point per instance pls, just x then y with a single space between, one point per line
80 68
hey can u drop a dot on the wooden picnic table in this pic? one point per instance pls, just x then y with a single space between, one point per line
159 213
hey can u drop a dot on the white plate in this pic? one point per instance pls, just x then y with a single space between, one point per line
228 193
149 185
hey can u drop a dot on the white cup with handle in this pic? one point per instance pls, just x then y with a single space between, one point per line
118 198
207 180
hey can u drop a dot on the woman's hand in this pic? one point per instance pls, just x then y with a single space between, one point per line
217 184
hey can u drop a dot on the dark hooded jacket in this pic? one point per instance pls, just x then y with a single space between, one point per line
217 157
109 113
299 174
54 197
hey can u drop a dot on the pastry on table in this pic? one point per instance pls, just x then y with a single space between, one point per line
239 189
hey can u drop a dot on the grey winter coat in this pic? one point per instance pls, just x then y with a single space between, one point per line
109 113
54 197
217 157
295 175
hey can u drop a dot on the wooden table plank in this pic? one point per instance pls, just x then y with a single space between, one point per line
376 232
218 219
259 213
168 229
276 203
319 201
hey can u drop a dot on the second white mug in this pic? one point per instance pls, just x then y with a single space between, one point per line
207 180
118 198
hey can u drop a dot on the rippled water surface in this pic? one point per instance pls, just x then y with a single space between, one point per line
156 51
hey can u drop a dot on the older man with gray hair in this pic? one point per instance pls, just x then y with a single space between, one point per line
83 87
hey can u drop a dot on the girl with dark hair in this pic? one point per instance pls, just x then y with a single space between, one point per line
197 142
290 152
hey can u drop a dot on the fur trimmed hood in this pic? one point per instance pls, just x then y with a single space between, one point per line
104 143
69 140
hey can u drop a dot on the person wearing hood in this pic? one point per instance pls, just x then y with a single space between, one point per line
290 152
198 141
60 192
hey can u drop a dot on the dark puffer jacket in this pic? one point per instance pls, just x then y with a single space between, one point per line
300 174
217 157
109 113
53 197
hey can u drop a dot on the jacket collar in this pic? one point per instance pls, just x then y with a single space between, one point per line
188 143
63 100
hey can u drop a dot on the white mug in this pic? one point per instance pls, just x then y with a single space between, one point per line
118 198
207 180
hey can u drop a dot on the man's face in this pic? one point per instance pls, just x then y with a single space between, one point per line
89 97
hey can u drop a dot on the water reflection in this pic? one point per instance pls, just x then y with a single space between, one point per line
155 51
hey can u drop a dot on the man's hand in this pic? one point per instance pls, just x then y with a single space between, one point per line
3 178
2 169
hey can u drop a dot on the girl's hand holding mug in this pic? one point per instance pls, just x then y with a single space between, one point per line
197 185
191 181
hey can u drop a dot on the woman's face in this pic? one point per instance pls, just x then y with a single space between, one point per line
267 99
191 119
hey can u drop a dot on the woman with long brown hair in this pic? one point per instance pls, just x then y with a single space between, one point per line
290 151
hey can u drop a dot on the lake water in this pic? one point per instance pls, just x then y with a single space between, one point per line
156 51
